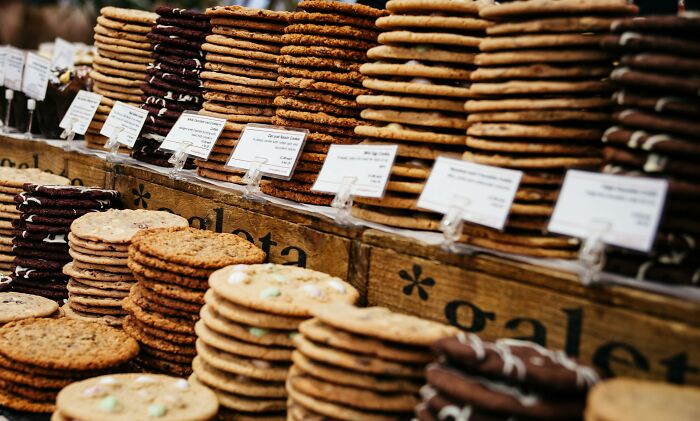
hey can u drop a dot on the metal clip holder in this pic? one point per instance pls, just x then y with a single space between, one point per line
113 144
9 95
252 179
452 225
343 201
592 256
178 160
31 106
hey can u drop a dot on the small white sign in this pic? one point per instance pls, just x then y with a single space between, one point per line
624 210
484 193
3 57
128 120
63 55
197 133
14 67
36 76
276 149
369 165
81 112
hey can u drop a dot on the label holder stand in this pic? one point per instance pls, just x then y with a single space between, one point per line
452 226
113 145
68 134
178 159
9 95
31 107
592 256
251 179
343 200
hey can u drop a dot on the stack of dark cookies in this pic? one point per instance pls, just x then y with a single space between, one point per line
504 380
41 234
657 134
544 103
172 83
324 46
240 77
421 79
119 69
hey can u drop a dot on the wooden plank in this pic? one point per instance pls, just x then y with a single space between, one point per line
619 341
22 153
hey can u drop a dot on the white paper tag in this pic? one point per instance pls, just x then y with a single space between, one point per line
63 55
36 76
198 132
129 118
14 68
277 149
483 192
370 165
81 112
624 210
3 56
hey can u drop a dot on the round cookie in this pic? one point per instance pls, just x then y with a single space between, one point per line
240 385
17 306
254 368
244 315
101 227
547 7
229 344
245 404
96 274
255 335
157 320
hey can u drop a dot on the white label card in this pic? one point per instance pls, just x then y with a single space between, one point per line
81 112
3 57
484 193
36 76
369 165
198 133
14 67
127 117
625 210
275 148
63 55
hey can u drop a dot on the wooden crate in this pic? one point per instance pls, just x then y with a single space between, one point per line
21 153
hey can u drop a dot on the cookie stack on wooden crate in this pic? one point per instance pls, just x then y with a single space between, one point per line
244 339
100 279
324 45
119 69
240 77
421 79
656 133
507 379
172 267
172 84
60 351
543 105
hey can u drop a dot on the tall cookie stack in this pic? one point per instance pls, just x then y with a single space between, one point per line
421 78
324 46
172 267
173 84
656 133
503 380
240 77
244 339
41 243
543 106
38 357
99 276
119 69
360 363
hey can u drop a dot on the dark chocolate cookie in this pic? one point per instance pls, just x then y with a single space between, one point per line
72 192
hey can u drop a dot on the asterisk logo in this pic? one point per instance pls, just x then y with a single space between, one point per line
416 282
140 196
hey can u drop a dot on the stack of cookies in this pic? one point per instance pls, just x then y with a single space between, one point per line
421 78
18 306
543 106
324 46
240 77
508 379
12 181
172 267
38 357
99 276
656 133
173 83
119 69
360 363
244 339
41 243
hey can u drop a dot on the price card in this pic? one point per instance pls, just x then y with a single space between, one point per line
14 68
81 112
277 149
36 76
3 56
484 193
129 119
196 133
63 55
624 210
370 165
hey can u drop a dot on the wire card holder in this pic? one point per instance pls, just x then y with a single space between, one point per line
178 159
251 179
31 107
9 95
342 201
112 144
591 256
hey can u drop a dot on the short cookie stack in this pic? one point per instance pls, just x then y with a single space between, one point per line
99 276
172 85
41 234
360 363
656 134
421 78
507 379
240 77
244 339
119 69
38 357
172 267
324 46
